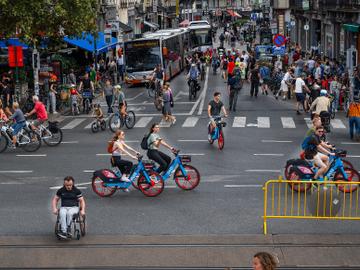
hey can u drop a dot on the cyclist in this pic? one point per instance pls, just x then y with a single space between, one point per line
119 149
321 103
74 95
193 75
121 100
159 76
19 124
87 87
71 198
98 113
41 113
154 141
214 109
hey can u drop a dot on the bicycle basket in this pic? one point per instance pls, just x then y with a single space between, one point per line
53 126
185 158
87 95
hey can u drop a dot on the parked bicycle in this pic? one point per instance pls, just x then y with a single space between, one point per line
117 121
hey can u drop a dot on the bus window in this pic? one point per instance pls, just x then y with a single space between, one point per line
142 55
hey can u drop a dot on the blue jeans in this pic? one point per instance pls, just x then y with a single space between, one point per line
17 127
354 122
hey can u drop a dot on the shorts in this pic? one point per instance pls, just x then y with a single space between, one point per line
318 161
284 87
300 97
17 127
38 122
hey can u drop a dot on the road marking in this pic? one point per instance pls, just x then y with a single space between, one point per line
239 121
350 143
16 171
193 154
143 122
337 123
74 123
288 122
164 124
134 141
351 156
80 187
274 141
263 122
70 142
276 155
192 140
107 154
308 122
203 94
88 171
138 95
38 155
190 121
262 171
242 186
181 93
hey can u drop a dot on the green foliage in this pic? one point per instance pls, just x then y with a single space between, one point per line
67 62
30 20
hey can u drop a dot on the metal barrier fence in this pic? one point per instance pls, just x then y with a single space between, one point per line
289 199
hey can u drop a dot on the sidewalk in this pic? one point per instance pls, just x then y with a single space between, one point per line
200 251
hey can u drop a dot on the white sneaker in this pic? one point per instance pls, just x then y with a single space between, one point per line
126 190
125 179
55 112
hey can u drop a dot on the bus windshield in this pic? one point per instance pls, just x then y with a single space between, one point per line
200 37
142 55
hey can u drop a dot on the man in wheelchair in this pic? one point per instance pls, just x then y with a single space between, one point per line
71 198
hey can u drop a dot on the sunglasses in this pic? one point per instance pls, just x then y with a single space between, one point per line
320 131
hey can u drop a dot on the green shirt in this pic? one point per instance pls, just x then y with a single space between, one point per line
151 141
310 132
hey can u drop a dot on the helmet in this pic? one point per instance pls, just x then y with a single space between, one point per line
72 85
323 92
118 86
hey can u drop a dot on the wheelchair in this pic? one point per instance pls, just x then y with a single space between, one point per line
76 229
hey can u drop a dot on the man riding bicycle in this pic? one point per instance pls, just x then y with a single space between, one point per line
214 109
41 113
87 87
71 199
193 75
159 76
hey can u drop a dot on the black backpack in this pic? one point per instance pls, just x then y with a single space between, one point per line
144 144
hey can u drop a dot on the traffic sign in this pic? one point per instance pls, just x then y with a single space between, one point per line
279 40
15 55
306 27
292 23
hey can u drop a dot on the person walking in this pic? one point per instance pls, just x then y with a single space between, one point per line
108 94
354 119
254 79
335 87
168 104
52 94
235 85
264 261
300 88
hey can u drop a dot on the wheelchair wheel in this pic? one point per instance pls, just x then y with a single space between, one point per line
82 225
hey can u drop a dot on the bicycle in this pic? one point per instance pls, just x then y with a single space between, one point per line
75 107
117 121
105 182
217 133
186 176
158 95
87 95
98 124
192 89
335 172
51 134
203 72
25 139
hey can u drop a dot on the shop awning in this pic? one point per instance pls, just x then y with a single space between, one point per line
152 25
125 28
4 43
351 27
88 42
233 13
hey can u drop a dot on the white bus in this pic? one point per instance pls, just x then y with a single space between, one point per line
165 47
200 37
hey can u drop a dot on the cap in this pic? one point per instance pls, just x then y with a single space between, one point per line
323 92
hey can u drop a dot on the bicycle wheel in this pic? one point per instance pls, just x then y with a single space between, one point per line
347 164
152 188
150 90
87 106
103 125
189 182
298 187
287 171
99 188
30 141
221 140
130 120
55 138
352 176
115 122
94 127
3 142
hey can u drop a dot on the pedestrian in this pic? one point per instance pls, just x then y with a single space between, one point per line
3 115
224 65
72 77
300 88
235 86
264 261
168 104
254 79
335 91
354 119
120 65
52 94
108 94
113 71
7 98
285 83
264 78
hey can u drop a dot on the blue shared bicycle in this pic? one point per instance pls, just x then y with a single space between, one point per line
186 176
105 182
305 171
217 133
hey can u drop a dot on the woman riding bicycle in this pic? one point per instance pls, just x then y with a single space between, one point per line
154 141
119 149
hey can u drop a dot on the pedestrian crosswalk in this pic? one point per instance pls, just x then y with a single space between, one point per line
237 122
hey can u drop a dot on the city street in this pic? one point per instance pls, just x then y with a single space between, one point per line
259 138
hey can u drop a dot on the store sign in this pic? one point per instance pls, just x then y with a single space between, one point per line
306 5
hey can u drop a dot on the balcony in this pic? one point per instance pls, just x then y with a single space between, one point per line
340 5
301 4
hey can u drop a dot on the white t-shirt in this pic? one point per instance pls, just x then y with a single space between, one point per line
317 73
287 77
246 58
299 84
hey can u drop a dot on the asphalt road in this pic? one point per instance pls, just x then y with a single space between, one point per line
229 199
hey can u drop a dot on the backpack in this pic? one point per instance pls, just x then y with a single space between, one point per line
110 146
144 144
306 145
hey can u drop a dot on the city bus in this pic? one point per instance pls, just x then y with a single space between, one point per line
200 37
165 47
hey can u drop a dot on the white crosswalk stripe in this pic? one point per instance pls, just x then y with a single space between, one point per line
193 121
239 121
143 122
74 123
190 121
288 122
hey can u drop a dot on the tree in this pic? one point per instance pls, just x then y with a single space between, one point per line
35 19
